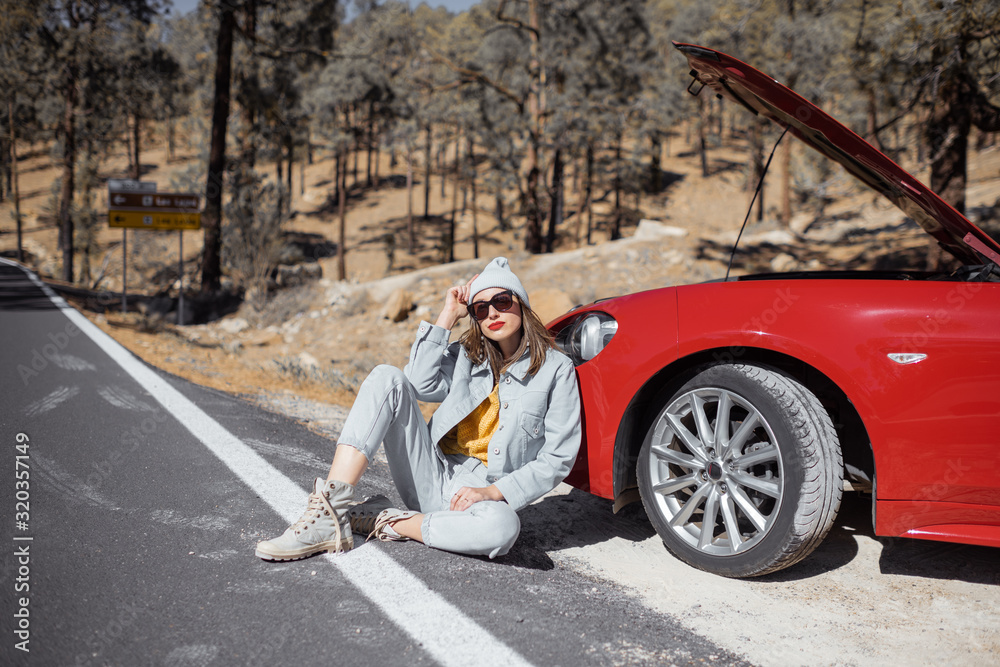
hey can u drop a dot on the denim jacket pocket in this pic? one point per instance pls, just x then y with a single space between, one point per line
532 437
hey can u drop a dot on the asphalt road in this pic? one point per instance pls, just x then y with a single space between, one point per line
146 494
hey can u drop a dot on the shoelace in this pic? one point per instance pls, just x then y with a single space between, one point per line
318 506
364 522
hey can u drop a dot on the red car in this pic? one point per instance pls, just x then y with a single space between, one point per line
737 408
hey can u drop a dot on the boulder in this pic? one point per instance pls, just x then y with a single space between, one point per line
397 307
651 229
291 275
307 361
233 326
784 262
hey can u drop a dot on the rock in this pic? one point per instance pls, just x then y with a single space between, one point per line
652 229
772 237
290 275
233 326
423 313
800 222
232 346
784 262
397 307
307 360
263 338
549 303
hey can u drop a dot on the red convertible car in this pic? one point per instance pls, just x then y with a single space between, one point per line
737 408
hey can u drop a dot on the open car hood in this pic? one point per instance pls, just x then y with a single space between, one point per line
764 96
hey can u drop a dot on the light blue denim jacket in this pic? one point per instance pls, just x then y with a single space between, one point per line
538 435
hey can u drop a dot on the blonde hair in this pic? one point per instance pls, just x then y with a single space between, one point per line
534 337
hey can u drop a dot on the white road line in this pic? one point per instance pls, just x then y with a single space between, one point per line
448 635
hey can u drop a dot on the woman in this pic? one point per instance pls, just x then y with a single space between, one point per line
506 433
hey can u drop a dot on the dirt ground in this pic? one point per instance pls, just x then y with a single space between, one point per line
858 600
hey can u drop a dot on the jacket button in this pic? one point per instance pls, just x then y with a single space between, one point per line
536 431
496 450
501 427
507 380
505 404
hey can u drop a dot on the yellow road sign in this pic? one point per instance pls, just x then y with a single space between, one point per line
154 219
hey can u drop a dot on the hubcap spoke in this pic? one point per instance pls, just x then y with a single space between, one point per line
748 508
676 457
732 525
690 506
722 421
743 433
768 453
705 432
690 440
757 484
676 484
708 519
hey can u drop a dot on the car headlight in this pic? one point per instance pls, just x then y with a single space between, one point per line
586 337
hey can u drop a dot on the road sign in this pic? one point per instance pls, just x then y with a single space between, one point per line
129 185
166 201
151 210
155 219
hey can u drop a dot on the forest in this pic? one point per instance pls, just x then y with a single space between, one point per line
510 102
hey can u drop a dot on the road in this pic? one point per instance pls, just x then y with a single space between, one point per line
145 496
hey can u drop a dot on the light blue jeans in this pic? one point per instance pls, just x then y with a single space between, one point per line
386 412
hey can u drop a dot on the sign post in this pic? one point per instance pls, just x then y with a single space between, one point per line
120 185
180 272
138 205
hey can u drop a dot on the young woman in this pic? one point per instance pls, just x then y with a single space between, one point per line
506 433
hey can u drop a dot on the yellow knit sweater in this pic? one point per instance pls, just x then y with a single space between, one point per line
471 436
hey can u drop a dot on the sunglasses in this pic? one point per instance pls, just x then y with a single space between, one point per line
503 302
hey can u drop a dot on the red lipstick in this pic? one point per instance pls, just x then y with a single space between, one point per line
496 325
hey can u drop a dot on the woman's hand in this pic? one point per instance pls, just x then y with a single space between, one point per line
455 302
469 496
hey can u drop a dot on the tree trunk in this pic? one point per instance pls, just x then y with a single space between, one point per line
556 214
249 84
947 137
290 147
533 224
371 140
465 181
427 173
616 225
14 183
655 170
136 132
499 214
457 175
211 266
588 191
472 188
171 139
336 177
702 147
786 184
342 213
409 200
68 185
442 155
757 166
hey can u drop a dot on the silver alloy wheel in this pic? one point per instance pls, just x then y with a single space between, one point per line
716 471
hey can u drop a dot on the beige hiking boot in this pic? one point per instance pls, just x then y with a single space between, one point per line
323 527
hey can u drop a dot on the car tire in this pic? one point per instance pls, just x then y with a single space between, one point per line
770 476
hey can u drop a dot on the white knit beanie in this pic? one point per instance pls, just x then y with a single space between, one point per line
498 274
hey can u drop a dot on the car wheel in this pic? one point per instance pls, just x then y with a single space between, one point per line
741 472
